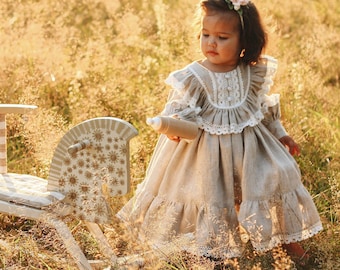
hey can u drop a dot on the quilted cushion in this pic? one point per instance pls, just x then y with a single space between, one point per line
27 190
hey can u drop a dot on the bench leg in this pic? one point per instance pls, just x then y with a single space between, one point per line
70 243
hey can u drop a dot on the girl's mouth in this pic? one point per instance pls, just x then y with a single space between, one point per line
212 53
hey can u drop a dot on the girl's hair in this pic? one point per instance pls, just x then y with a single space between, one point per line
253 38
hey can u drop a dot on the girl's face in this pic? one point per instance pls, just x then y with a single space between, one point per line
220 41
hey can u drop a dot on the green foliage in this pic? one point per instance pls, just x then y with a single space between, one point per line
79 59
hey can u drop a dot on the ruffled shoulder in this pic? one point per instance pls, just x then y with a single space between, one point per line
181 79
186 87
223 103
263 73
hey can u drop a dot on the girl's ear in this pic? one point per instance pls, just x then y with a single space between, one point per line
242 53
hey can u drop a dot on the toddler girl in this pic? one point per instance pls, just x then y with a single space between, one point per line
238 172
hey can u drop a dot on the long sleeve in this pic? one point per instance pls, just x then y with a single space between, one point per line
272 116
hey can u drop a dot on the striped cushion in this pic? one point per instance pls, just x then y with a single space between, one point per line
27 190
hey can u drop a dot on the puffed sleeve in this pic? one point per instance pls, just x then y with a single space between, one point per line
183 96
263 75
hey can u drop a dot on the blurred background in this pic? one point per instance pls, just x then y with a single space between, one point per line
79 59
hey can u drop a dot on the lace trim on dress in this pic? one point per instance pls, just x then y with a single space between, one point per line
232 128
181 98
280 220
263 76
283 239
176 84
228 95
237 99
158 222
205 233
228 88
187 242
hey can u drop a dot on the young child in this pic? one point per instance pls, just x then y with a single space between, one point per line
239 171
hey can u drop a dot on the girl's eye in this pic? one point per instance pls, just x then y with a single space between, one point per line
205 35
223 38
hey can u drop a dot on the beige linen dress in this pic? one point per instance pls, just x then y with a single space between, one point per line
188 198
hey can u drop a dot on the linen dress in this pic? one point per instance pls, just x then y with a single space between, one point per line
188 197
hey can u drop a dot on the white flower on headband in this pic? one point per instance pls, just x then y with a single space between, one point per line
236 4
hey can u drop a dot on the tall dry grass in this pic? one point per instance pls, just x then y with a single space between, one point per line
80 59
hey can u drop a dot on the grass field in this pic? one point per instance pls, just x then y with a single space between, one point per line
80 59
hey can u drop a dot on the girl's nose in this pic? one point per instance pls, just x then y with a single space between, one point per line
211 42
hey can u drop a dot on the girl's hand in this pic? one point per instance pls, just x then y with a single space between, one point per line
174 138
292 146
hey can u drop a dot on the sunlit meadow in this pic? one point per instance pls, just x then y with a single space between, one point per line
79 59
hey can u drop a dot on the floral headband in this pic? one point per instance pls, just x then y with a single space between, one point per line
236 5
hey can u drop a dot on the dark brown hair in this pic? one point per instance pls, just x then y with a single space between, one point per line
253 38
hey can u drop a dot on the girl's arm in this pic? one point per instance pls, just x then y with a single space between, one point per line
272 122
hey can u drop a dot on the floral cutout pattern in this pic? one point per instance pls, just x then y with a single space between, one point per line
89 177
